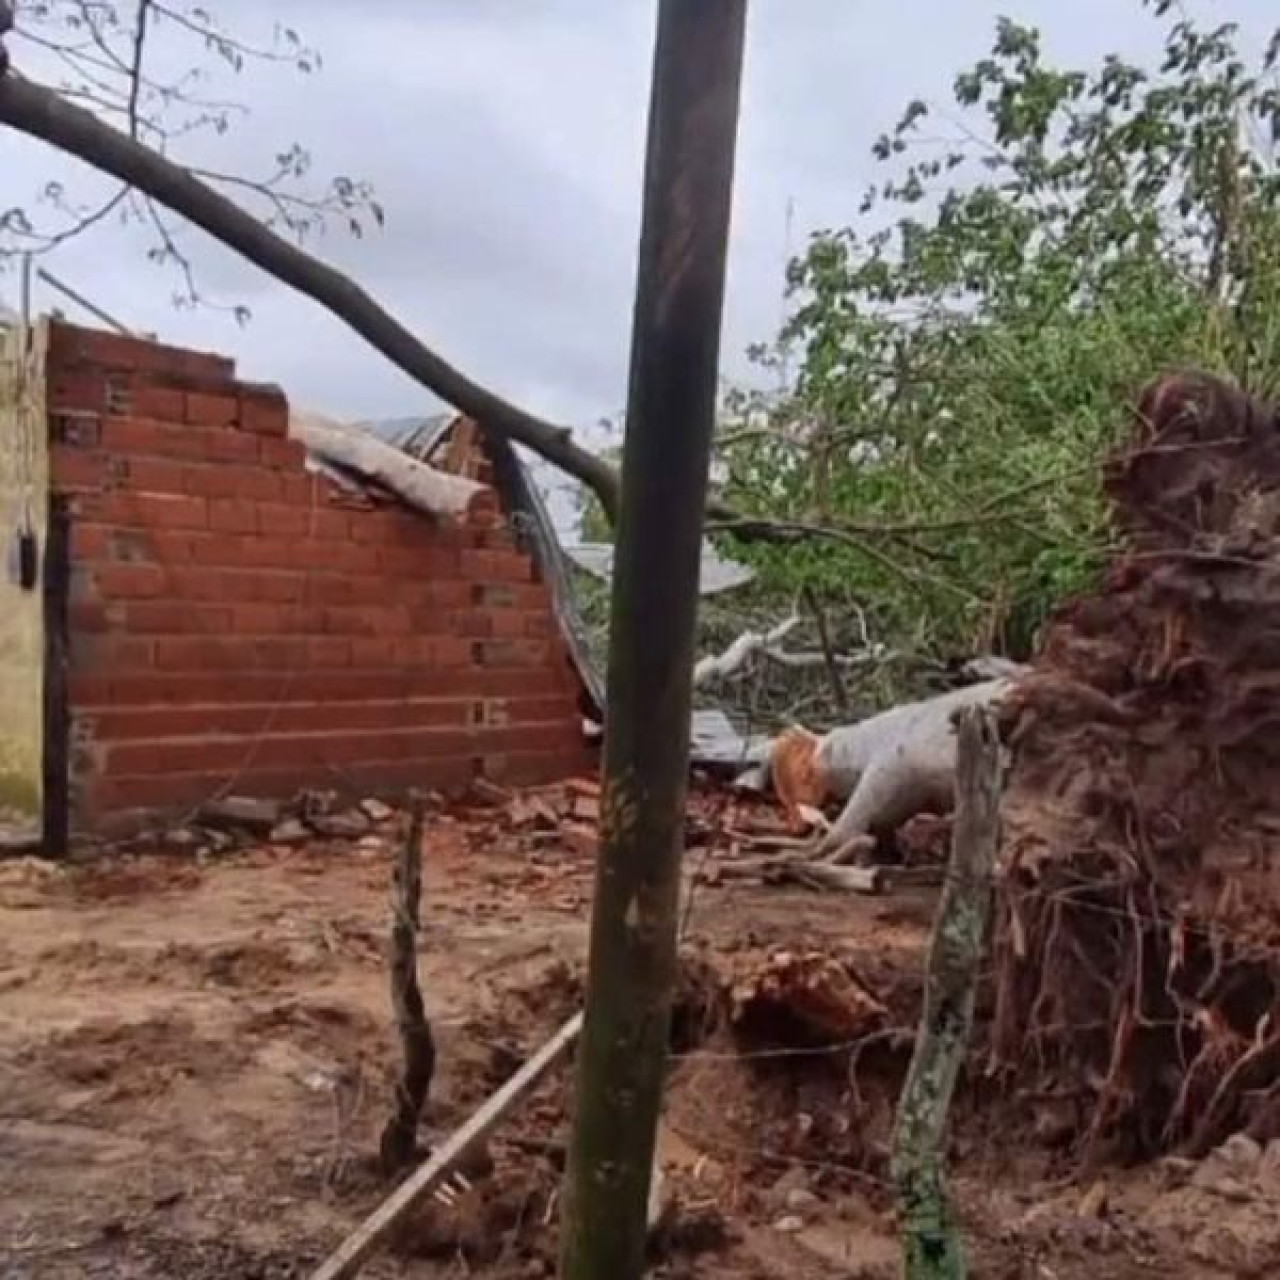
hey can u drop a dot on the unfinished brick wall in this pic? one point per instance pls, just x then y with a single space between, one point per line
237 626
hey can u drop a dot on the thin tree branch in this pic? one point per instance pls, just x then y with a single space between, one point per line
40 112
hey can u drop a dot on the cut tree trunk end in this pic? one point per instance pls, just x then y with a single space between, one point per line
931 1244
399 1145
670 421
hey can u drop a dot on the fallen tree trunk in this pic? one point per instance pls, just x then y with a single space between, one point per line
423 487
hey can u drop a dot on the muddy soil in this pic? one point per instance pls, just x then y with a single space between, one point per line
195 1061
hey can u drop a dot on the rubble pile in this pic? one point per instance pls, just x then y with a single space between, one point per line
1138 939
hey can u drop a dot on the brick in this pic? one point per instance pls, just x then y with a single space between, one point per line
89 616
509 653
300 487
77 391
496 566
228 480
344 589
165 403
329 524
211 409
508 624
362 620
285 587
474 624
280 652
447 594
95 688
375 651
280 520
373 527
328 652
283 454
346 557
433 562
74 469
110 651
152 475
263 618
182 617
264 410
315 751
143 436
69 343
125 724
130 581
200 652
88 541
499 538
227 445
75 430
175 548
233 515
173 511
228 652
122 795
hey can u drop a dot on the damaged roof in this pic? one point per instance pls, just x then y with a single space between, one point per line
715 575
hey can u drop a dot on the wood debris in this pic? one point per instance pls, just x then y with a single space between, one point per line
806 995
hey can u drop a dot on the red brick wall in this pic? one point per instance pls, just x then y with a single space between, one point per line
238 625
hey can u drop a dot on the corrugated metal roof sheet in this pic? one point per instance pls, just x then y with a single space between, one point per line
716 575
414 436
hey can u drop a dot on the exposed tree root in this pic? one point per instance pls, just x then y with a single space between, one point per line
1137 945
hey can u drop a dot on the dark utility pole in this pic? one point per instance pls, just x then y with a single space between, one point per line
693 114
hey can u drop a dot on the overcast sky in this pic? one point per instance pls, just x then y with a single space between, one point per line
505 140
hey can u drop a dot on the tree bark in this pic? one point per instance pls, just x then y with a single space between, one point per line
399 1143
41 112
670 421
930 1242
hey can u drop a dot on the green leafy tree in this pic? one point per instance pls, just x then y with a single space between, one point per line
966 350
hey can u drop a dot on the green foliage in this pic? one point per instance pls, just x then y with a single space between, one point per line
966 351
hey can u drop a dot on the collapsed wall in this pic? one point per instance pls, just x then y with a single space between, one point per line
1138 944
236 623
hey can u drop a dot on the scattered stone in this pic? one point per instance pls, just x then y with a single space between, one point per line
1240 1152
802 1200
181 838
580 839
484 792
791 1180
290 831
216 841
1093 1204
244 812
375 810
789 1224
340 826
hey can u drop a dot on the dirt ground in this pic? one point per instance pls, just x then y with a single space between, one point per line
196 1058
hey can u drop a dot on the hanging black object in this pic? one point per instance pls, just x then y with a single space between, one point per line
24 558
28 559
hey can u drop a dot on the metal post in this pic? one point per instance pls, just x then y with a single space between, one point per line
670 419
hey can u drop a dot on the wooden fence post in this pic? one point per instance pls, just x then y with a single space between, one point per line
931 1244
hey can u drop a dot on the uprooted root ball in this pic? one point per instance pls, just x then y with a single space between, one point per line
1138 938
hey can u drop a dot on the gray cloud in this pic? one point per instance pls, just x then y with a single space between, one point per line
505 139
